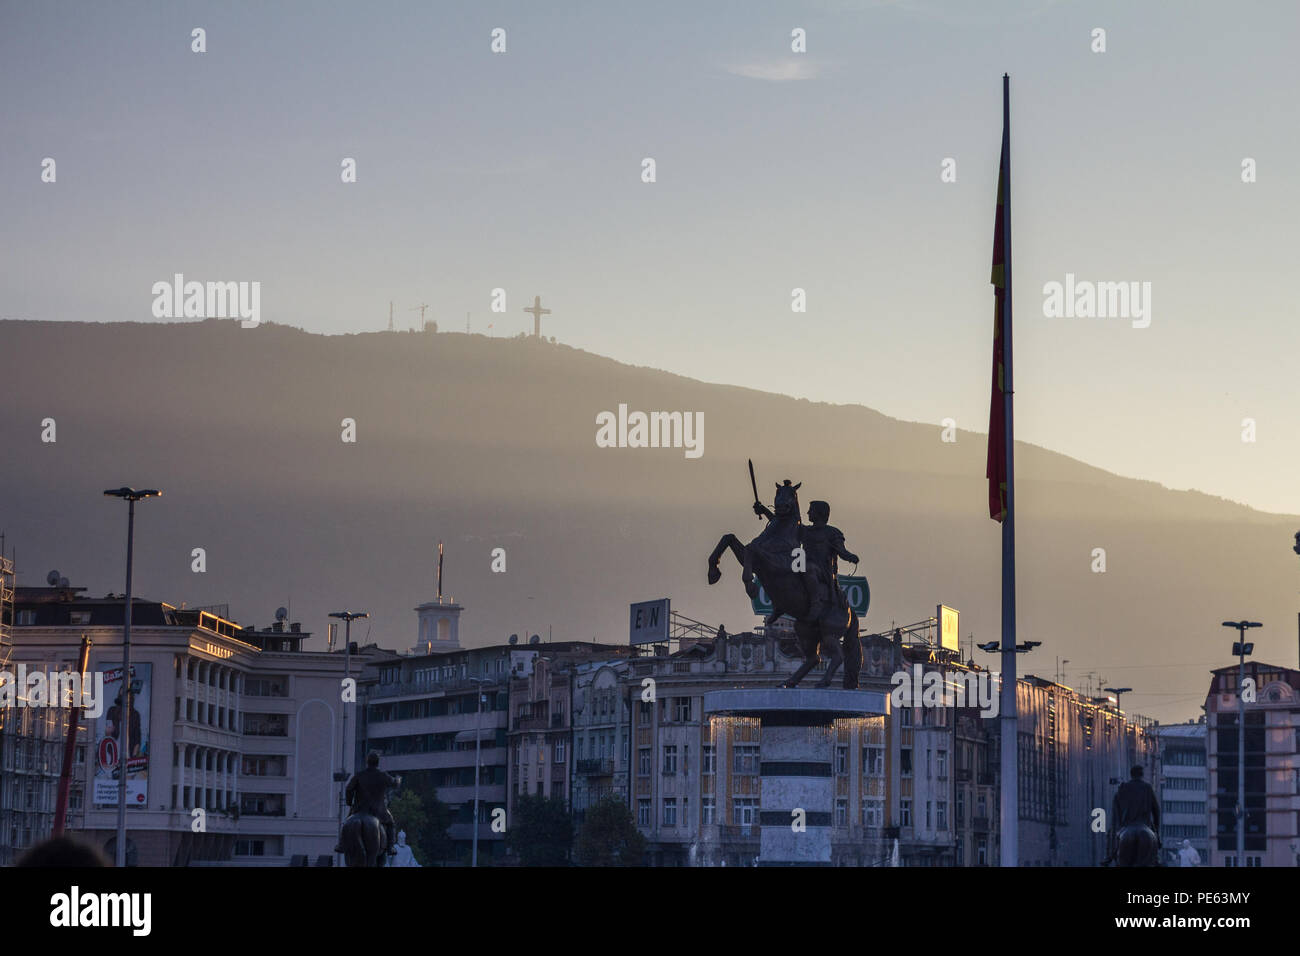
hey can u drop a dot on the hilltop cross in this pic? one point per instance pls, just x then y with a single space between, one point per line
537 312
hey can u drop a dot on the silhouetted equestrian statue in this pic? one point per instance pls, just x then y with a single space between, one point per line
367 837
796 565
1134 823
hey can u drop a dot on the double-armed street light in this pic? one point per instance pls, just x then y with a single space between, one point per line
131 496
1242 648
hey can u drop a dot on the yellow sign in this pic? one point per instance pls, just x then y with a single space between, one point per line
949 630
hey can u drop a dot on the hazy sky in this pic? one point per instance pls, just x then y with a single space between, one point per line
775 170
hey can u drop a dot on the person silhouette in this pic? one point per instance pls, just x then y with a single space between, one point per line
367 792
823 546
1134 804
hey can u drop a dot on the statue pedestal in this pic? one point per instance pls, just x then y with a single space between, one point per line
780 744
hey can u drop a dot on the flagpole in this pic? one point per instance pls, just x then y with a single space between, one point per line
1010 814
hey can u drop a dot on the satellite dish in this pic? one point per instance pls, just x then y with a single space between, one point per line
281 614
514 638
52 579
535 639
64 582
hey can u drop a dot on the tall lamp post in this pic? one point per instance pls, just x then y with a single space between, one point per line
131 496
1241 647
478 742
342 776
1008 786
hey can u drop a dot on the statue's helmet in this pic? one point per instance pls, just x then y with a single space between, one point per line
819 511
372 759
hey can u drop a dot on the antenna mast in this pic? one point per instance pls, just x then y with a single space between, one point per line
439 572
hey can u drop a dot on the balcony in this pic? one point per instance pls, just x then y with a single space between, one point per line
963 775
434 688
596 767
738 833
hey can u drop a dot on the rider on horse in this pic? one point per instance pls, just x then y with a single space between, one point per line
823 546
367 792
1135 805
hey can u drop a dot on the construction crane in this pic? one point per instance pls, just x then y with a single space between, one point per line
420 309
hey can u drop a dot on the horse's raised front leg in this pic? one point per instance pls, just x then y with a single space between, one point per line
725 542
747 574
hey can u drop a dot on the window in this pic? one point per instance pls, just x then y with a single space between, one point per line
681 709
928 773
643 762
841 760
643 812
559 751
670 811
905 812
942 766
941 818
905 760
579 753
905 717
670 760
746 759
982 852
928 824
842 812
873 761
708 808
710 758
961 807
873 813
743 811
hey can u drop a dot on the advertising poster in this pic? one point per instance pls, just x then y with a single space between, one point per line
108 738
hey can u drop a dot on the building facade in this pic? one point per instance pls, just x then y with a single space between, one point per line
1272 761
236 734
1184 808
433 718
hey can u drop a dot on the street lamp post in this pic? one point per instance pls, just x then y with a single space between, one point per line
1241 647
1010 781
478 742
131 496
347 617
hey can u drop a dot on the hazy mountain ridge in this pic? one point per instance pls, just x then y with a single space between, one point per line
491 442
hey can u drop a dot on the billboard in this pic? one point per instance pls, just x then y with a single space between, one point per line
949 629
648 622
855 588
108 738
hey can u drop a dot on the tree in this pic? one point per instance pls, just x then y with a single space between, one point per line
425 819
609 836
541 832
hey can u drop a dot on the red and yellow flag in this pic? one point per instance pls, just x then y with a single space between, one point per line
996 469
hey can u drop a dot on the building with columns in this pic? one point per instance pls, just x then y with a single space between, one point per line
240 731
1272 762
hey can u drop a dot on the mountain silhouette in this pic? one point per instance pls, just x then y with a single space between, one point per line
490 443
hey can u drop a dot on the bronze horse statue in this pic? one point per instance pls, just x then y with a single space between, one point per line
363 840
766 561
